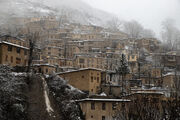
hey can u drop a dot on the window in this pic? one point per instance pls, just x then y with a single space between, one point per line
18 50
113 106
91 79
123 105
49 53
81 60
114 118
91 90
6 59
40 70
46 70
155 100
25 61
132 56
83 76
9 48
11 59
97 79
171 57
103 117
92 105
18 60
25 52
103 106
91 116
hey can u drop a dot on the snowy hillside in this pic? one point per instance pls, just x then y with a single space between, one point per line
76 10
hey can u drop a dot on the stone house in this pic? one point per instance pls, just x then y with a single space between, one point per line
87 79
13 54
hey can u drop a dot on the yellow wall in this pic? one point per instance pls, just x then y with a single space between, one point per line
9 57
97 113
168 81
93 62
86 80
45 69
156 72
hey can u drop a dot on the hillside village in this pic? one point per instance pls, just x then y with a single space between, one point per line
122 77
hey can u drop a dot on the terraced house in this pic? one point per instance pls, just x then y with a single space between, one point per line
86 79
13 54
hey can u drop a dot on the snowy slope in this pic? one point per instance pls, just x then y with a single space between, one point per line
76 10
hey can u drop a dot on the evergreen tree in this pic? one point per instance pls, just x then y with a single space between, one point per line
122 70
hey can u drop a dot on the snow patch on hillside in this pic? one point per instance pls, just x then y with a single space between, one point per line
47 101
76 10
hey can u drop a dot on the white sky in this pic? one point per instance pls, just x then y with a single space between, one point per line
150 13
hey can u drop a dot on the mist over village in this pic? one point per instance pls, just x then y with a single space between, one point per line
89 60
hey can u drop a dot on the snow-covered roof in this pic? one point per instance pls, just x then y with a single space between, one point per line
82 69
55 47
12 37
38 60
172 73
149 92
103 94
96 48
92 40
8 43
104 100
44 65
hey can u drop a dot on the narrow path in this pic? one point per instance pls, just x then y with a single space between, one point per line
39 103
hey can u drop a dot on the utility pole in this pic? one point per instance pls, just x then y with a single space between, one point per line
149 76
65 51
139 70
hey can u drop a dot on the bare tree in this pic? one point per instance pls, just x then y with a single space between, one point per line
133 29
170 33
136 30
147 33
32 38
114 24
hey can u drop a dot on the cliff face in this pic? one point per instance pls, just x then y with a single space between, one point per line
39 101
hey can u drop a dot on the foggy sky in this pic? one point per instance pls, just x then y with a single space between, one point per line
150 13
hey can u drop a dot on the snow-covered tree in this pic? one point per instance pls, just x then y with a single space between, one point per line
65 96
12 94
122 70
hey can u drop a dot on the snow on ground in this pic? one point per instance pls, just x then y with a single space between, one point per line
47 101
75 89
18 74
